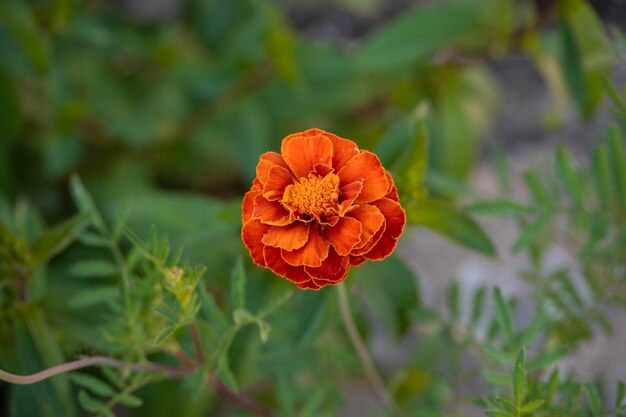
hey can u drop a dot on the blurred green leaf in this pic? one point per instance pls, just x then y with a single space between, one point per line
94 268
502 208
57 238
17 18
594 398
568 175
503 315
93 384
238 286
519 378
530 233
451 223
617 163
601 176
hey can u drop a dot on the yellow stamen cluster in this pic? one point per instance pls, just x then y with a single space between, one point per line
312 195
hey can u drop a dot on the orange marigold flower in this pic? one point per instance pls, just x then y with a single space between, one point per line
318 207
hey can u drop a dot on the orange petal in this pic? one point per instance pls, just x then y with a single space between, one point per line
344 235
302 153
278 178
267 161
371 219
311 254
275 262
289 237
366 168
333 270
247 206
251 234
395 219
392 194
347 194
343 150
270 212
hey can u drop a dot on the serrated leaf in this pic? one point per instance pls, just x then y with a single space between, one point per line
57 238
531 233
238 286
93 384
503 315
503 208
95 268
531 406
165 333
519 378
88 403
452 224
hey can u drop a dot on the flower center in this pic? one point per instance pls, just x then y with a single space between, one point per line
313 195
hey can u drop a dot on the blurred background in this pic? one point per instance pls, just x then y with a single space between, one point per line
164 106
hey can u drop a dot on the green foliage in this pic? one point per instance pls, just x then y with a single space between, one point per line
164 121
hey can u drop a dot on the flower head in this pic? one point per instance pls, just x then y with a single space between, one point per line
318 207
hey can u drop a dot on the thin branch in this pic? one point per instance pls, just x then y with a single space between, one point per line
366 361
171 371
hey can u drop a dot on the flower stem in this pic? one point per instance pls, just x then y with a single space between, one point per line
364 357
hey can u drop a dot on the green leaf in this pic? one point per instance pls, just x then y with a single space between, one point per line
594 398
503 208
94 268
225 374
531 406
621 393
93 384
478 305
88 403
165 333
531 233
519 378
10 111
57 238
211 311
494 413
452 224
453 300
545 360
275 303
314 401
18 19
130 400
93 239
601 176
533 329
568 175
538 192
238 286
85 203
503 315
617 163
496 353
95 295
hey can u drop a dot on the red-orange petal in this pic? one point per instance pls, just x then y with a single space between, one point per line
289 237
311 254
277 264
278 178
344 235
366 168
270 212
251 234
357 260
302 153
309 285
395 219
347 194
247 205
333 270
267 161
371 219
